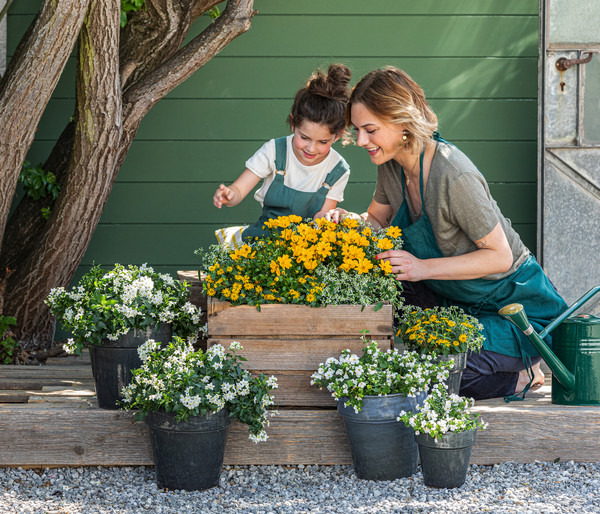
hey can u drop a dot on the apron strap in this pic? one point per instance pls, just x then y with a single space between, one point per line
281 153
336 173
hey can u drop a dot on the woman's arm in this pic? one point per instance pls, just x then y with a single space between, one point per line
237 191
493 255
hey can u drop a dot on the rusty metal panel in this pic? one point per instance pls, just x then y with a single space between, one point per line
561 93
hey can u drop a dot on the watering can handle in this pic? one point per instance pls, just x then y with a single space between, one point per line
549 328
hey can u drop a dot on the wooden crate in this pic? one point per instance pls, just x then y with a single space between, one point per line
289 341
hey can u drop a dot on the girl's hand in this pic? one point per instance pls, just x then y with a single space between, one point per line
338 214
223 195
405 265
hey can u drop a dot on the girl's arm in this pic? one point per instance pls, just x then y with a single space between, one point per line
237 191
327 206
493 255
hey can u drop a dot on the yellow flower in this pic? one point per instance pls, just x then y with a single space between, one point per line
393 232
275 268
385 244
284 261
385 266
363 266
462 338
349 223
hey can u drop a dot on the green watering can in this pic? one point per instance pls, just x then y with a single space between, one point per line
575 356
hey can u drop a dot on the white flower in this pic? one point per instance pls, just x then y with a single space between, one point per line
70 346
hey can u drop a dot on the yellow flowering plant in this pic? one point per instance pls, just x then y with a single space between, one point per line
439 330
310 262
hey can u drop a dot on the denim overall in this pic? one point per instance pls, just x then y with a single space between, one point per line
281 200
506 350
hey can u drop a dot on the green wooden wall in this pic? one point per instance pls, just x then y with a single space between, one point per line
475 59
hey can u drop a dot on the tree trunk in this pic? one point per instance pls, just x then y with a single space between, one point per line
88 180
28 84
51 258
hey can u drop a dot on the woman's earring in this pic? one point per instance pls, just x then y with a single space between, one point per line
405 135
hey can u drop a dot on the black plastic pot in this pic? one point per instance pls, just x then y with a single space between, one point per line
382 447
112 362
445 463
188 455
455 373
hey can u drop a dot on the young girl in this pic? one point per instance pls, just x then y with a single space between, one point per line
301 174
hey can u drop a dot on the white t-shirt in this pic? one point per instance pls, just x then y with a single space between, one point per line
298 176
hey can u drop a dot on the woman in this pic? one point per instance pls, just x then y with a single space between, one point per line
457 242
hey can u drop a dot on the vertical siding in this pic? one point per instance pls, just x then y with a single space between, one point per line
475 59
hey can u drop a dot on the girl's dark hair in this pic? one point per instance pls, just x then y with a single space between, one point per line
323 100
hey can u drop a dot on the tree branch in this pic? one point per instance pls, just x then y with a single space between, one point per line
28 84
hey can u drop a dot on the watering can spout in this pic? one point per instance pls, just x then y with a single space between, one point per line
515 313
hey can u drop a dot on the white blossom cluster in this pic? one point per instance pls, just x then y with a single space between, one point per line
175 375
350 377
442 413
108 304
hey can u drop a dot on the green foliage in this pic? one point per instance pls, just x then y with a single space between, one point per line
7 344
306 262
187 383
214 13
375 373
129 6
39 183
439 330
442 413
107 304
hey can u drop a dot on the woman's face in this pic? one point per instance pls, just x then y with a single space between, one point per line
312 142
381 139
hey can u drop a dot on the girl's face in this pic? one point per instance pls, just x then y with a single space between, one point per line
311 142
381 139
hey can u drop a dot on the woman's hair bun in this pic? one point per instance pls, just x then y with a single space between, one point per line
334 84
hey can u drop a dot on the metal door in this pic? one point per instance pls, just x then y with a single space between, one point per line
569 141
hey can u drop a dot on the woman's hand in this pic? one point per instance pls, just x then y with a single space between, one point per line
405 265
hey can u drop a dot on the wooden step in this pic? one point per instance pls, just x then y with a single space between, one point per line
61 425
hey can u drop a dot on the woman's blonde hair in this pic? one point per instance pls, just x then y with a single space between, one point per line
394 97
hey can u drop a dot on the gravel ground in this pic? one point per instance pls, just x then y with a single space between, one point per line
510 487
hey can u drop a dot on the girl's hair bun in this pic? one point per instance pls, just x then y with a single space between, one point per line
323 99
333 85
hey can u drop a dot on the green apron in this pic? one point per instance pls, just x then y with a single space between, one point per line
480 297
281 200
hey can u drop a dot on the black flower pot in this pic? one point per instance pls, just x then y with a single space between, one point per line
188 455
445 463
112 362
382 448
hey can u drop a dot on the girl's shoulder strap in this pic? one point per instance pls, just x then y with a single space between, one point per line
281 153
337 172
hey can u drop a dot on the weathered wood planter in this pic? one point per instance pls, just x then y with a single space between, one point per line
289 341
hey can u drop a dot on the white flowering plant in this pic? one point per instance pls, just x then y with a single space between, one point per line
107 304
176 378
377 373
442 413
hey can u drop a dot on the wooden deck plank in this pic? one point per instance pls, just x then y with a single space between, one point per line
62 426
